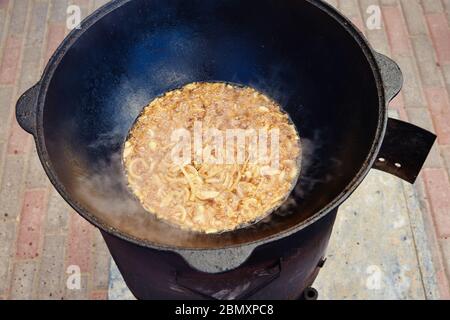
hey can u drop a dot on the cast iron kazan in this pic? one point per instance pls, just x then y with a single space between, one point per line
304 54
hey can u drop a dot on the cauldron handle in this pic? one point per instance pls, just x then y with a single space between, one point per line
26 109
217 261
391 74
405 146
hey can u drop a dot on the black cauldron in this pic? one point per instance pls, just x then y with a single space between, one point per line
303 54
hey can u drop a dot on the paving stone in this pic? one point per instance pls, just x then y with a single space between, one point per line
12 186
445 245
414 17
446 71
99 3
78 294
31 221
5 111
22 281
2 153
55 36
101 262
440 32
426 61
32 55
371 266
447 9
435 251
35 176
4 5
390 3
333 3
84 6
57 214
351 10
19 141
397 32
432 6
423 242
3 28
377 37
9 66
99 295
79 243
446 155
51 282
438 187
18 17
412 89
58 11
439 105
118 290
7 235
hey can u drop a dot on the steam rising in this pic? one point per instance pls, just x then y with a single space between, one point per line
108 197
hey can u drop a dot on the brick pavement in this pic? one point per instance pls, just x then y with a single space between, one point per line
40 234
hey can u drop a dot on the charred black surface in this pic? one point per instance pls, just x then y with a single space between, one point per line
404 150
279 270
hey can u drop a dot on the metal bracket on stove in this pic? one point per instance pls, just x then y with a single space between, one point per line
237 284
405 149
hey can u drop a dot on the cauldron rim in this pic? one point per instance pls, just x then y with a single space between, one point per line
73 37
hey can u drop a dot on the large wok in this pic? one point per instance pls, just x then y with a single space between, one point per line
304 54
